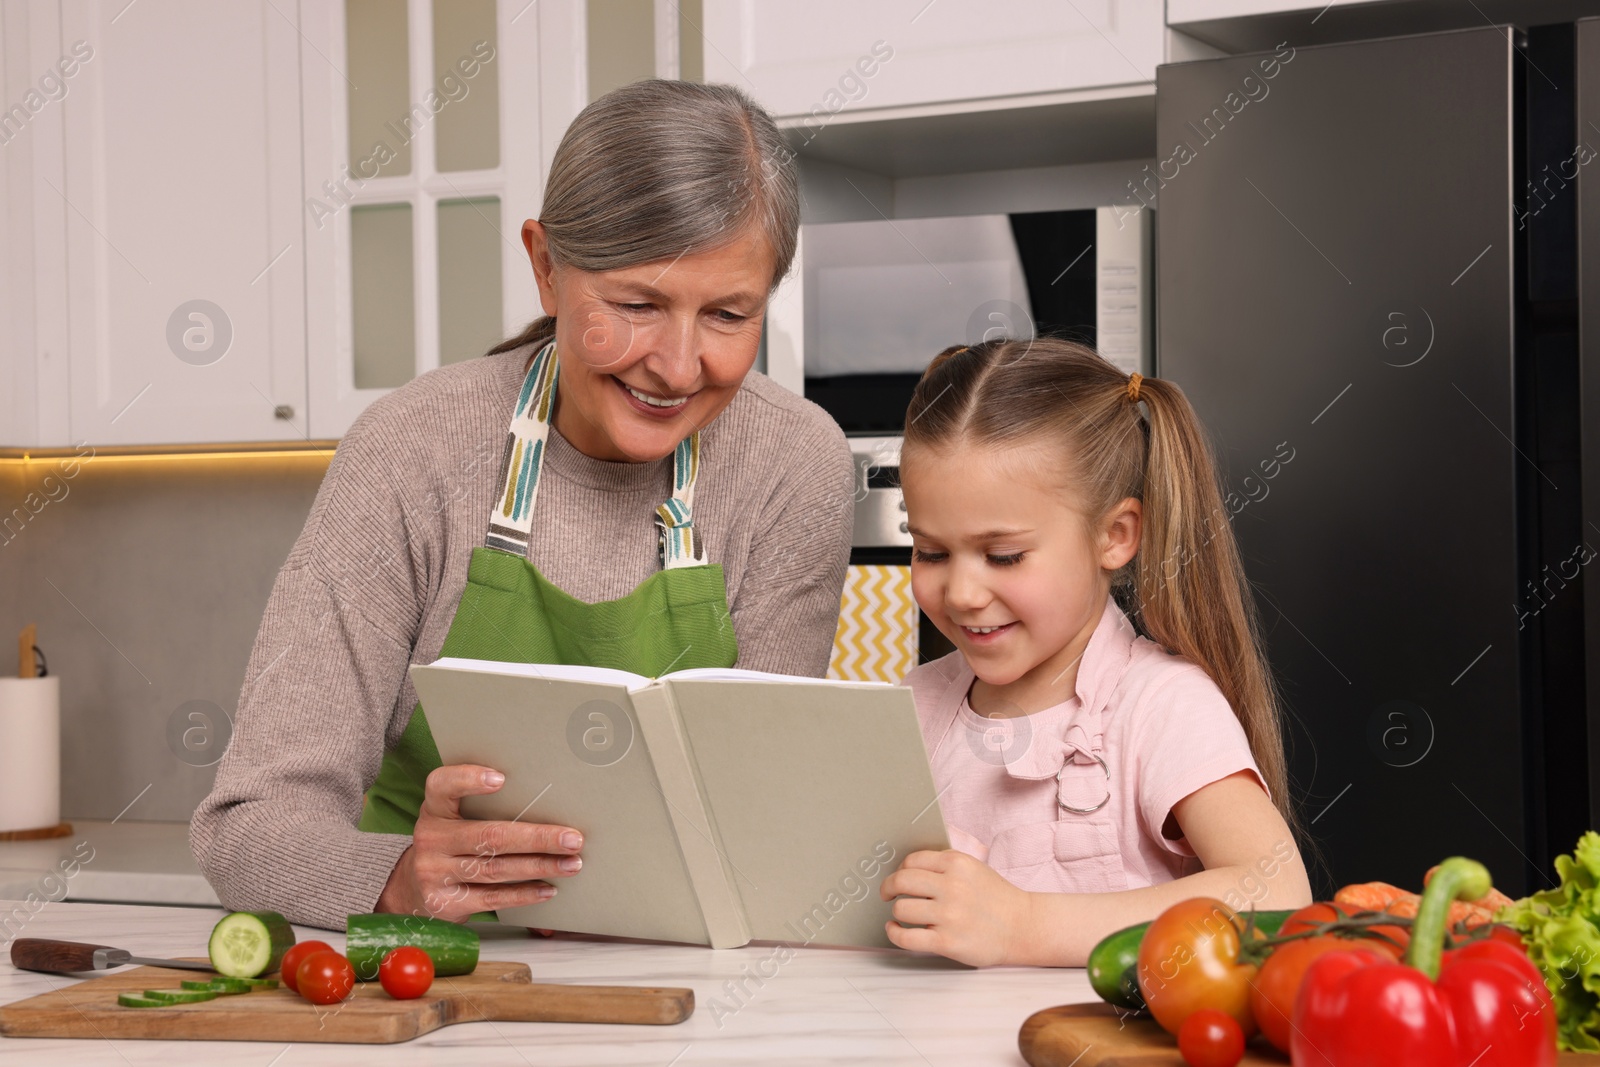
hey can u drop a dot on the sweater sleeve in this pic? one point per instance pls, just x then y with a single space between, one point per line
788 604
319 703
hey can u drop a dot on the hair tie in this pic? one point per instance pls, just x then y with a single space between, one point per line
1133 386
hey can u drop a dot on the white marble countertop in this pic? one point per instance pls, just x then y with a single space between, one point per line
120 861
824 1006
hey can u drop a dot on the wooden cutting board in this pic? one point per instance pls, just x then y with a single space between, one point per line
502 992
1095 1035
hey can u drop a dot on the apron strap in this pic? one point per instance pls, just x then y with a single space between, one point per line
680 545
511 514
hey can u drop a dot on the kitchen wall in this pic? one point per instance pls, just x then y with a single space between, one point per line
147 578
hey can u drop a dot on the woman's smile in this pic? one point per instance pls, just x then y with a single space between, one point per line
653 405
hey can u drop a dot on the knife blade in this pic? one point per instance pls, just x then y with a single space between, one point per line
71 957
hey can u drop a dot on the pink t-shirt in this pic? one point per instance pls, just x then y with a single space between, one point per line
1160 724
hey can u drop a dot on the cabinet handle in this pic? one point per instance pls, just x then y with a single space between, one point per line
284 412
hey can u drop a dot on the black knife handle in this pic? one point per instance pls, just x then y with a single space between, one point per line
56 957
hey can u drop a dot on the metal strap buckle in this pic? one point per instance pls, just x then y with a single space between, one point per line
1084 811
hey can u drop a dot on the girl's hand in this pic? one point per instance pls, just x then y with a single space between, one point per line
457 867
969 913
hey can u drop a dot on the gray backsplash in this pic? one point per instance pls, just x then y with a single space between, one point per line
147 580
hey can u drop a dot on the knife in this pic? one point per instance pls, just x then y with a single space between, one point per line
71 957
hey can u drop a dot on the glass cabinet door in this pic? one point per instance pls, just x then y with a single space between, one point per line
424 154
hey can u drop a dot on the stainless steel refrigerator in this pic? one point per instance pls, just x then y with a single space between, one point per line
1378 281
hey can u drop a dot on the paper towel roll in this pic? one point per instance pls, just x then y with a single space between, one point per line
30 753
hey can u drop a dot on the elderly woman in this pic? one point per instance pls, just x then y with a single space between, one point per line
614 487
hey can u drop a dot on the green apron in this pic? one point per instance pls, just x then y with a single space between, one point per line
676 619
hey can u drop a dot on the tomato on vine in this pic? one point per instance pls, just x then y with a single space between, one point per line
1272 994
1190 960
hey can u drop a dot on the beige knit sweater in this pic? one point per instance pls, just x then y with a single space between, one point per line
373 581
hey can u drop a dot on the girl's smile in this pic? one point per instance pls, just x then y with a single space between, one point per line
982 635
1004 566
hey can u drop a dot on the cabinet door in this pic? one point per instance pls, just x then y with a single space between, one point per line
33 320
417 186
184 240
824 56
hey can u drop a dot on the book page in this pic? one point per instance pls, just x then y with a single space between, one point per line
735 674
573 755
818 793
558 671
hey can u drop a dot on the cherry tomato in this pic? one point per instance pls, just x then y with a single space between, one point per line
291 961
1314 915
1189 959
1211 1039
406 972
1272 995
325 977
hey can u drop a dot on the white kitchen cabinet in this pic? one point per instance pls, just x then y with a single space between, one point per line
151 164
390 246
175 239
824 57
181 164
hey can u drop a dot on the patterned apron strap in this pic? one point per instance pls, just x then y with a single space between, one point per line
680 545
511 514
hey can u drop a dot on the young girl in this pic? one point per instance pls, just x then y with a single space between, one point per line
1093 765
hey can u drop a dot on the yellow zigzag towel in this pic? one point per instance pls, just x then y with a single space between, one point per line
877 636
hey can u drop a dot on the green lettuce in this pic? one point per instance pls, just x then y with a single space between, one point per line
1561 929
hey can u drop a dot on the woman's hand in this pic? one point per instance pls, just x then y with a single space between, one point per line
967 910
456 867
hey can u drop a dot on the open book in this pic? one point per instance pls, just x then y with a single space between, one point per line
717 806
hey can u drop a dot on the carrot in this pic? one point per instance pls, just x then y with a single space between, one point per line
1401 903
1379 896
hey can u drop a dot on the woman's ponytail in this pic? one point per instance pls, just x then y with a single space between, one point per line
536 333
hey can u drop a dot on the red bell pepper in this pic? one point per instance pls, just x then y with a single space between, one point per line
1482 1005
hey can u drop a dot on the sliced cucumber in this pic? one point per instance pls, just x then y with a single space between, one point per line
249 943
134 1000
452 947
258 983
220 986
179 996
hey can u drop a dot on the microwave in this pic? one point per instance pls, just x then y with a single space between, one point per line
882 297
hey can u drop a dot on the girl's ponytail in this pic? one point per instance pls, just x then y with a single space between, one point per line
1193 596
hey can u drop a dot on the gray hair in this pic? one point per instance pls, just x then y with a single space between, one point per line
661 169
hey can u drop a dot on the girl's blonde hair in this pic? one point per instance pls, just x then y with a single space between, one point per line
1186 587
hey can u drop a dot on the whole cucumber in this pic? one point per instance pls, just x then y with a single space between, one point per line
1113 965
1117 954
452 947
